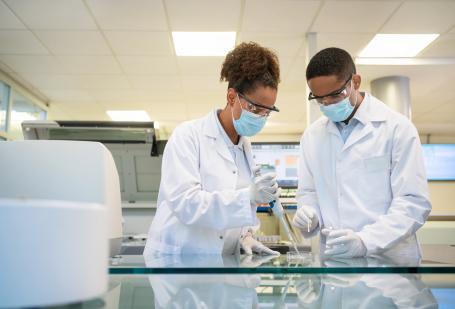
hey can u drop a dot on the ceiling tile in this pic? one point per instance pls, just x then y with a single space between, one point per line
90 64
202 84
285 45
53 14
200 66
62 95
53 81
74 42
129 14
20 42
33 64
126 43
353 43
203 15
422 17
148 65
278 16
78 82
5 68
443 46
121 97
353 16
110 82
8 20
155 83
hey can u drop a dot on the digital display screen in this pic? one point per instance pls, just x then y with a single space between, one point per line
439 161
281 158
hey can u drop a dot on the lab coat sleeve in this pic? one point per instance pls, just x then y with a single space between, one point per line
410 204
306 191
182 190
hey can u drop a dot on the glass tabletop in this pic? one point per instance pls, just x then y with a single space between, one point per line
437 259
373 291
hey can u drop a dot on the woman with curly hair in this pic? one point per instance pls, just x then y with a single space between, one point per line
210 187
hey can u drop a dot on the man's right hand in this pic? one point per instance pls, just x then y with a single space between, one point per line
305 219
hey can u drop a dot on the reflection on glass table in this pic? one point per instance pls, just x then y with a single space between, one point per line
277 291
308 263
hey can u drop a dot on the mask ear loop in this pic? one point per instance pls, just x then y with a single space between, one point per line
232 110
356 97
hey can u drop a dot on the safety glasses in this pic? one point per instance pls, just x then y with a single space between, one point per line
257 108
333 97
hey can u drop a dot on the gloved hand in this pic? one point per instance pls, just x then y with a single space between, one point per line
264 188
341 281
308 289
343 244
250 245
305 219
255 260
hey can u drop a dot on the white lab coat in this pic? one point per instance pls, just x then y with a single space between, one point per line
205 291
198 203
374 184
372 291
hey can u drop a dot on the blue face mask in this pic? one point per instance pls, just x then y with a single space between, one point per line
339 111
248 124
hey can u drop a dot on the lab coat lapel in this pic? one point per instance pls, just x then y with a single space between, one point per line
212 131
359 132
332 128
248 154
223 149
374 111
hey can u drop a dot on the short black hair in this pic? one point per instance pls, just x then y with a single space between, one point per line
331 61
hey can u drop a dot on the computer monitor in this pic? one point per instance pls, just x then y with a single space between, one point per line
282 158
439 161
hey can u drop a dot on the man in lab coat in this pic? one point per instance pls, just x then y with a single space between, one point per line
209 186
362 180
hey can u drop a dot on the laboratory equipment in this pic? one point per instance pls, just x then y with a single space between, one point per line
64 170
278 211
53 252
137 152
439 161
281 158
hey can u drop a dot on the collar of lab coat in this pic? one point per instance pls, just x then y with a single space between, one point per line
212 131
371 110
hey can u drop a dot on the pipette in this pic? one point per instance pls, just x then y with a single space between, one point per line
278 211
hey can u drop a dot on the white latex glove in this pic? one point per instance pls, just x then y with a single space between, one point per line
264 188
341 281
250 245
343 244
308 289
305 219
256 260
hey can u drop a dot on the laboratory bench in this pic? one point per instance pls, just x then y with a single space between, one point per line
291 280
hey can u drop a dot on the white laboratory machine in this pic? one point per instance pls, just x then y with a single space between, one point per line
60 212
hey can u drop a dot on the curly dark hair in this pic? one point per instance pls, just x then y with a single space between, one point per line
331 61
250 65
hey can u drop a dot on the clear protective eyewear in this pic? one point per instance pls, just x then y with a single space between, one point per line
333 97
258 109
